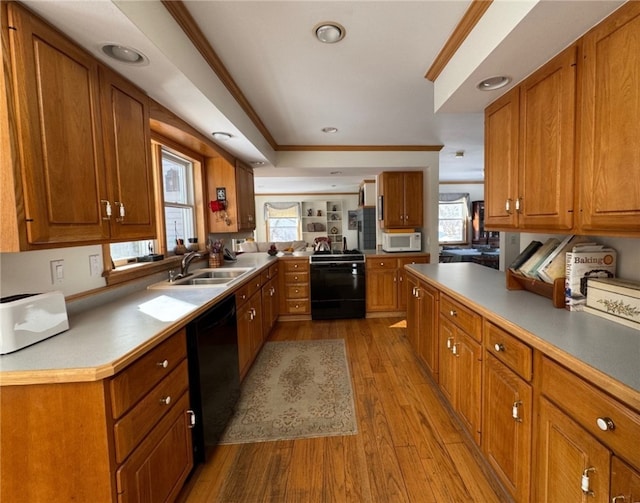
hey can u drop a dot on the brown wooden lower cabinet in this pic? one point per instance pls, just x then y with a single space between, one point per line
547 433
386 282
125 438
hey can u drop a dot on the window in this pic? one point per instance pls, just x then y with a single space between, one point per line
283 221
453 218
179 205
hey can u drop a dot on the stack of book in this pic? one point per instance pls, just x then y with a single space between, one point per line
545 261
584 261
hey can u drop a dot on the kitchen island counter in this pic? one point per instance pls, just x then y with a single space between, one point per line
607 353
103 340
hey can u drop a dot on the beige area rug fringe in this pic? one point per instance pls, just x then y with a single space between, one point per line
295 389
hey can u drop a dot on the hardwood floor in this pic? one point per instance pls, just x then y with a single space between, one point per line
408 447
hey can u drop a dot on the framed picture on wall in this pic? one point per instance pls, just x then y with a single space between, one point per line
353 220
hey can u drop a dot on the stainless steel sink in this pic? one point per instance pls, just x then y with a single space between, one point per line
208 278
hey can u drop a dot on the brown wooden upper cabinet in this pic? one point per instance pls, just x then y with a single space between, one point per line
402 194
609 146
535 149
237 181
529 151
83 143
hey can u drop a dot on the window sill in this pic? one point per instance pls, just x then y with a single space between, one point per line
140 269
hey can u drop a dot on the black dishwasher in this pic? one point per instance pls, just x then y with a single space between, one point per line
214 376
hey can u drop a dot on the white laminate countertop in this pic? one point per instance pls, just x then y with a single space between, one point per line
608 347
100 341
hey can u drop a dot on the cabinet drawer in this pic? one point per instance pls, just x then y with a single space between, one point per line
295 266
296 278
296 291
245 292
588 406
459 315
296 306
135 381
424 259
378 263
133 427
509 350
269 273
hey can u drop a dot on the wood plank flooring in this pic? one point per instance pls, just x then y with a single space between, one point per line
408 447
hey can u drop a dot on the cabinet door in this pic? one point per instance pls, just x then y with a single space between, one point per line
393 201
564 454
60 140
245 198
610 151
429 328
506 439
547 124
625 482
413 195
382 290
501 143
244 321
468 363
447 361
157 470
269 306
127 153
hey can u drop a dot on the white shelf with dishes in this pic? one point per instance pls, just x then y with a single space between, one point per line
322 219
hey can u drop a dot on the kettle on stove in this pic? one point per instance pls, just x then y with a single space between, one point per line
322 245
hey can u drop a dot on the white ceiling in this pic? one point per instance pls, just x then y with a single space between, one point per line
370 86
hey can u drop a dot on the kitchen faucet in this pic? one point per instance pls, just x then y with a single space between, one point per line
186 261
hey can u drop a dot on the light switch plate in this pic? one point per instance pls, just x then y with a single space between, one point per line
57 271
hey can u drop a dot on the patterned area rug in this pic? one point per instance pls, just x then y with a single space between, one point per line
295 389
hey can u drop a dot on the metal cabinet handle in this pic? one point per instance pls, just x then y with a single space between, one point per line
454 349
107 209
449 342
165 400
515 411
192 418
498 347
507 206
453 313
585 483
164 364
518 204
121 211
615 499
295 266
605 424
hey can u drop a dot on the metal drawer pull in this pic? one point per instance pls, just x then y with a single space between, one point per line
605 424
449 344
498 347
584 483
164 364
454 349
166 400
515 411
615 499
453 313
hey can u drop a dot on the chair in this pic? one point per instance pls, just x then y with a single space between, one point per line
445 259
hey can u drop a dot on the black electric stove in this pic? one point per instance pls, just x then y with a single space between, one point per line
337 285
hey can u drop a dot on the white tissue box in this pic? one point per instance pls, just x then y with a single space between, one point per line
28 319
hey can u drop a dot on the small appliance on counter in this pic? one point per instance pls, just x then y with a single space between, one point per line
29 318
401 241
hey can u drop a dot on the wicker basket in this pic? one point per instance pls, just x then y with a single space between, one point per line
216 259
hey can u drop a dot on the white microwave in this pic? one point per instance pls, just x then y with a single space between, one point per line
401 241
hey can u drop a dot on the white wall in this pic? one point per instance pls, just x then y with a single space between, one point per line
30 272
475 190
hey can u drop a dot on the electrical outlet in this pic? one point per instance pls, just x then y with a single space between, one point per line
94 265
57 271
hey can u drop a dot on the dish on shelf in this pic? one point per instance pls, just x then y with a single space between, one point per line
334 230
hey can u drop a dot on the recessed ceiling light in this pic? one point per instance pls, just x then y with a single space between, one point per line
459 154
125 54
330 130
336 173
494 83
329 32
221 136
